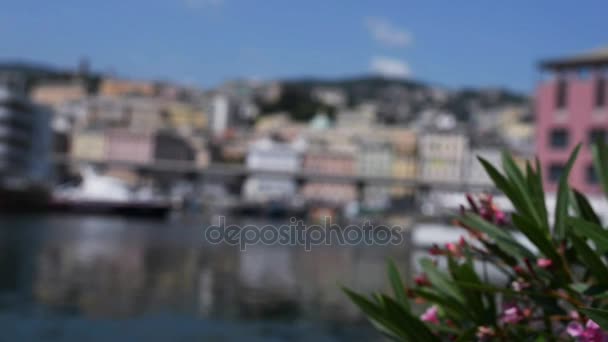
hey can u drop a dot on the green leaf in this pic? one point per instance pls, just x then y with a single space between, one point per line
397 285
535 183
579 287
583 208
501 182
440 280
413 325
391 318
377 315
591 231
519 184
536 236
473 299
563 192
502 255
590 259
599 151
599 316
505 291
453 308
503 239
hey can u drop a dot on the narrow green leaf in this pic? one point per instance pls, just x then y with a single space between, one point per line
599 151
583 208
590 259
377 315
394 312
516 177
453 308
599 316
536 236
563 192
473 299
495 250
591 231
440 280
535 183
503 239
506 291
397 285
540 191
501 182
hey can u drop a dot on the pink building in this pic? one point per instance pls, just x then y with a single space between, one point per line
329 162
124 145
570 109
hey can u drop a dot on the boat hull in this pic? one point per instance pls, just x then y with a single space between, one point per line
139 209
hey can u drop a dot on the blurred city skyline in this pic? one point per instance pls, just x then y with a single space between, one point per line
207 42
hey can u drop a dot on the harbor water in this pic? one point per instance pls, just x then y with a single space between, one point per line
75 278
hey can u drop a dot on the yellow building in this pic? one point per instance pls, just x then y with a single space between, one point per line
117 87
56 94
404 168
88 145
183 117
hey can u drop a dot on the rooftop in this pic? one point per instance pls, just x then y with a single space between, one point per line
597 57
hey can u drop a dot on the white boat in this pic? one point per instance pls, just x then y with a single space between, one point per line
104 194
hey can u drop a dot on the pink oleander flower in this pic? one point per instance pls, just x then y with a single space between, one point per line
485 333
512 314
462 242
519 270
500 216
430 315
544 262
435 250
421 280
519 285
590 333
593 333
484 206
575 329
453 249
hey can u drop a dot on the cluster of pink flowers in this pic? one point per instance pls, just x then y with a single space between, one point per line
544 263
525 274
486 208
451 248
512 314
430 315
591 332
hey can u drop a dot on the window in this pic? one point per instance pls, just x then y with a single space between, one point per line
600 92
597 134
591 175
561 94
555 171
559 138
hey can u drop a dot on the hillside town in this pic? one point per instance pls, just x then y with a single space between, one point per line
350 130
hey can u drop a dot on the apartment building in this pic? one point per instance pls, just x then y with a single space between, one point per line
571 108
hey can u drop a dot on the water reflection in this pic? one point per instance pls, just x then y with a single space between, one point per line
109 268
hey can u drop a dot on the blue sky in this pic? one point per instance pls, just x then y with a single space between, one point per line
204 42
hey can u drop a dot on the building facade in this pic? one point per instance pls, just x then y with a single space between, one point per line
442 156
269 155
25 142
571 108
329 162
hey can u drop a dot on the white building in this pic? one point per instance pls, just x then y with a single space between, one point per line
475 173
269 155
442 156
219 114
375 159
